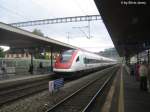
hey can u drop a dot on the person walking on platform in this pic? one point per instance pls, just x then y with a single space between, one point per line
143 72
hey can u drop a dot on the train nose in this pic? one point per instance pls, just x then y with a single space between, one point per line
60 65
65 60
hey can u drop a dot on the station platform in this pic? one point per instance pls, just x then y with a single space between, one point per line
4 77
135 100
12 76
126 95
16 80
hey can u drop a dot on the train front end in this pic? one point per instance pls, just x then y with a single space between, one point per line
63 64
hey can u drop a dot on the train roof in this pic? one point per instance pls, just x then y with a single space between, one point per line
96 55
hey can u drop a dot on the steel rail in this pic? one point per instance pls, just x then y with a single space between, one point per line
74 93
17 91
86 109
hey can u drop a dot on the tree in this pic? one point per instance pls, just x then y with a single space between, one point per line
110 52
38 32
37 54
2 53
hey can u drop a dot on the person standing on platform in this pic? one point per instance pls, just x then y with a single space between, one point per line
148 78
137 72
31 69
4 67
41 65
143 72
132 70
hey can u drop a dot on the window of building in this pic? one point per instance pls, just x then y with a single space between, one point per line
22 55
12 55
7 55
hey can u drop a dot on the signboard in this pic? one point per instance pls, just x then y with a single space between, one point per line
56 84
51 86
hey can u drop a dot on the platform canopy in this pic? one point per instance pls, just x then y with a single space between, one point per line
20 39
128 23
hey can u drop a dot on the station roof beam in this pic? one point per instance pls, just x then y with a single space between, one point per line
18 38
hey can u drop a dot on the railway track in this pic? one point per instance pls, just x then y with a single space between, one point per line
14 91
79 100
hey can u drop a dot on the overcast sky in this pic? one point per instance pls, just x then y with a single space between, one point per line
26 10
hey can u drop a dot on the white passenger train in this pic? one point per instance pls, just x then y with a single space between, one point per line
72 61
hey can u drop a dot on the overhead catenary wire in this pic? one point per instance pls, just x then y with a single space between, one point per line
79 6
12 10
39 5
22 14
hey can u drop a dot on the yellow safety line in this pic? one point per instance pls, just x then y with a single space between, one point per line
121 94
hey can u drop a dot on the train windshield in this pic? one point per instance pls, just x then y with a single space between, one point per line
66 56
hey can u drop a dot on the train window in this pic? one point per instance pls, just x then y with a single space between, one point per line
66 56
77 59
85 60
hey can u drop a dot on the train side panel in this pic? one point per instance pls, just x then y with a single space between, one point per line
79 61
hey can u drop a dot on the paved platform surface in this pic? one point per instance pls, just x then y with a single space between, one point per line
135 100
12 78
23 80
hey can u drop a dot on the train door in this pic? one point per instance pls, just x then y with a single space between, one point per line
78 63
82 60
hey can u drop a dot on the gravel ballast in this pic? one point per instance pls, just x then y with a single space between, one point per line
41 101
